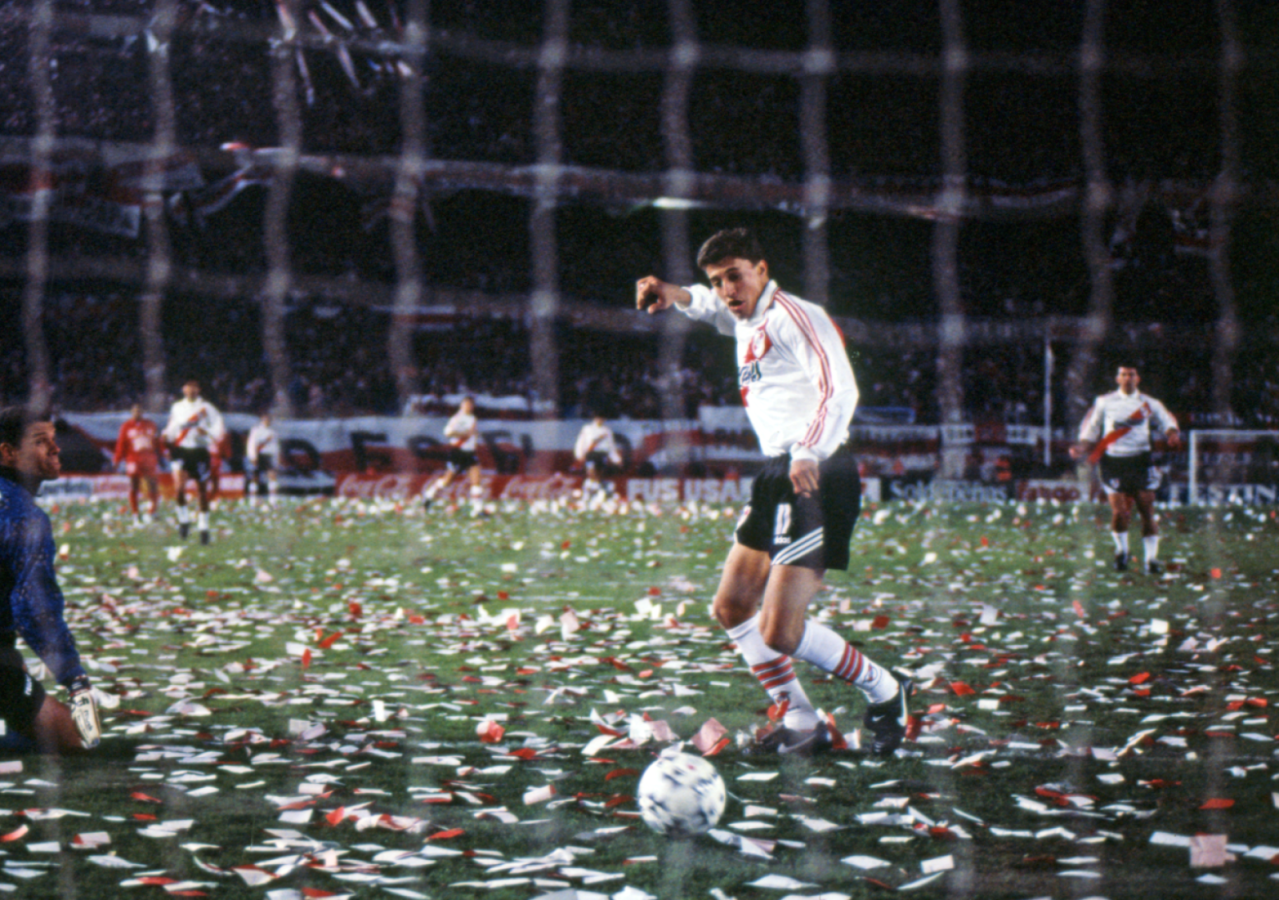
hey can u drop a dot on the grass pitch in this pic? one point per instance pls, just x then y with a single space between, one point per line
354 699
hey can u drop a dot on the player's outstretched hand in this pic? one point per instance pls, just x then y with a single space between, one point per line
655 295
84 713
1174 439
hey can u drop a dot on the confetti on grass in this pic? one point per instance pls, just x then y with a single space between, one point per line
426 718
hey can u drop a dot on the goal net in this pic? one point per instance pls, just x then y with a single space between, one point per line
1230 466
352 214
381 206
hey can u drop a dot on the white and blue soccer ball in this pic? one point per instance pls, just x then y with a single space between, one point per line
681 794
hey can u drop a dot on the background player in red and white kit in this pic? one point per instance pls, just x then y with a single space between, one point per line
799 392
261 450
138 447
596 450
1117 433
463 434
195 428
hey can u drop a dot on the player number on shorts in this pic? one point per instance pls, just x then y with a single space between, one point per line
781 525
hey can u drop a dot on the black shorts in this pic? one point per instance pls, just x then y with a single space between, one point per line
813 532
1129 474
265 463
195 461
597 464
21 696
460 460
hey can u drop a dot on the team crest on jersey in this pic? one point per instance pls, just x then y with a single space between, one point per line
1140 415
760 344
748 373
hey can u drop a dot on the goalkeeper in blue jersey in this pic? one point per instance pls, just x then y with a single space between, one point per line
31 602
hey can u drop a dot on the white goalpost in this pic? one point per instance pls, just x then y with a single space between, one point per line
1222 459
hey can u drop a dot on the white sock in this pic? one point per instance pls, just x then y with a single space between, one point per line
272 490
184 516
1150 546
1121 541
432 489
202 521
828 651
775 674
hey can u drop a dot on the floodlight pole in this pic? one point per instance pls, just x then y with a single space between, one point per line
1194 468
1048 395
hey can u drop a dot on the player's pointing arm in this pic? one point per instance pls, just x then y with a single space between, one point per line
655 295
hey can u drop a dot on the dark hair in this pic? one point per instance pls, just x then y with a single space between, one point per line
15 420
731 243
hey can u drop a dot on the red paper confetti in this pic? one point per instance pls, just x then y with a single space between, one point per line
1217 803
446 835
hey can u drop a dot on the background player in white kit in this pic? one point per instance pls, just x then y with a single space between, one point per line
463 434
261 451
799 392
194 429
1116 432
596 449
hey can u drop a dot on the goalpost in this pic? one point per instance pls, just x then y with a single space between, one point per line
1225 458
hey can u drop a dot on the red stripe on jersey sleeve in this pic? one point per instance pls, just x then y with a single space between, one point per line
825 385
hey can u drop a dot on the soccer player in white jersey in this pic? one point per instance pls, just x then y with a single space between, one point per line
1117 433
596 450
194 429
799 392
261 450
463 434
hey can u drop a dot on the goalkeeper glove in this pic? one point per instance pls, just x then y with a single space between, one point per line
84 713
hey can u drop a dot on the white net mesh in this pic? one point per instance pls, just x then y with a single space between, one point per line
332 209
299 152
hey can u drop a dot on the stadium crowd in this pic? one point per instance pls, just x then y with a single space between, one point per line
338 365
479 89
484 112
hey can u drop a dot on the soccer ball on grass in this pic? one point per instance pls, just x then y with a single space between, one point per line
681 794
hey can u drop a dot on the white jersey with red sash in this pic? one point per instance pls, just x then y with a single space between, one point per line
1122 424
596 439
794 375
194 424
461 432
